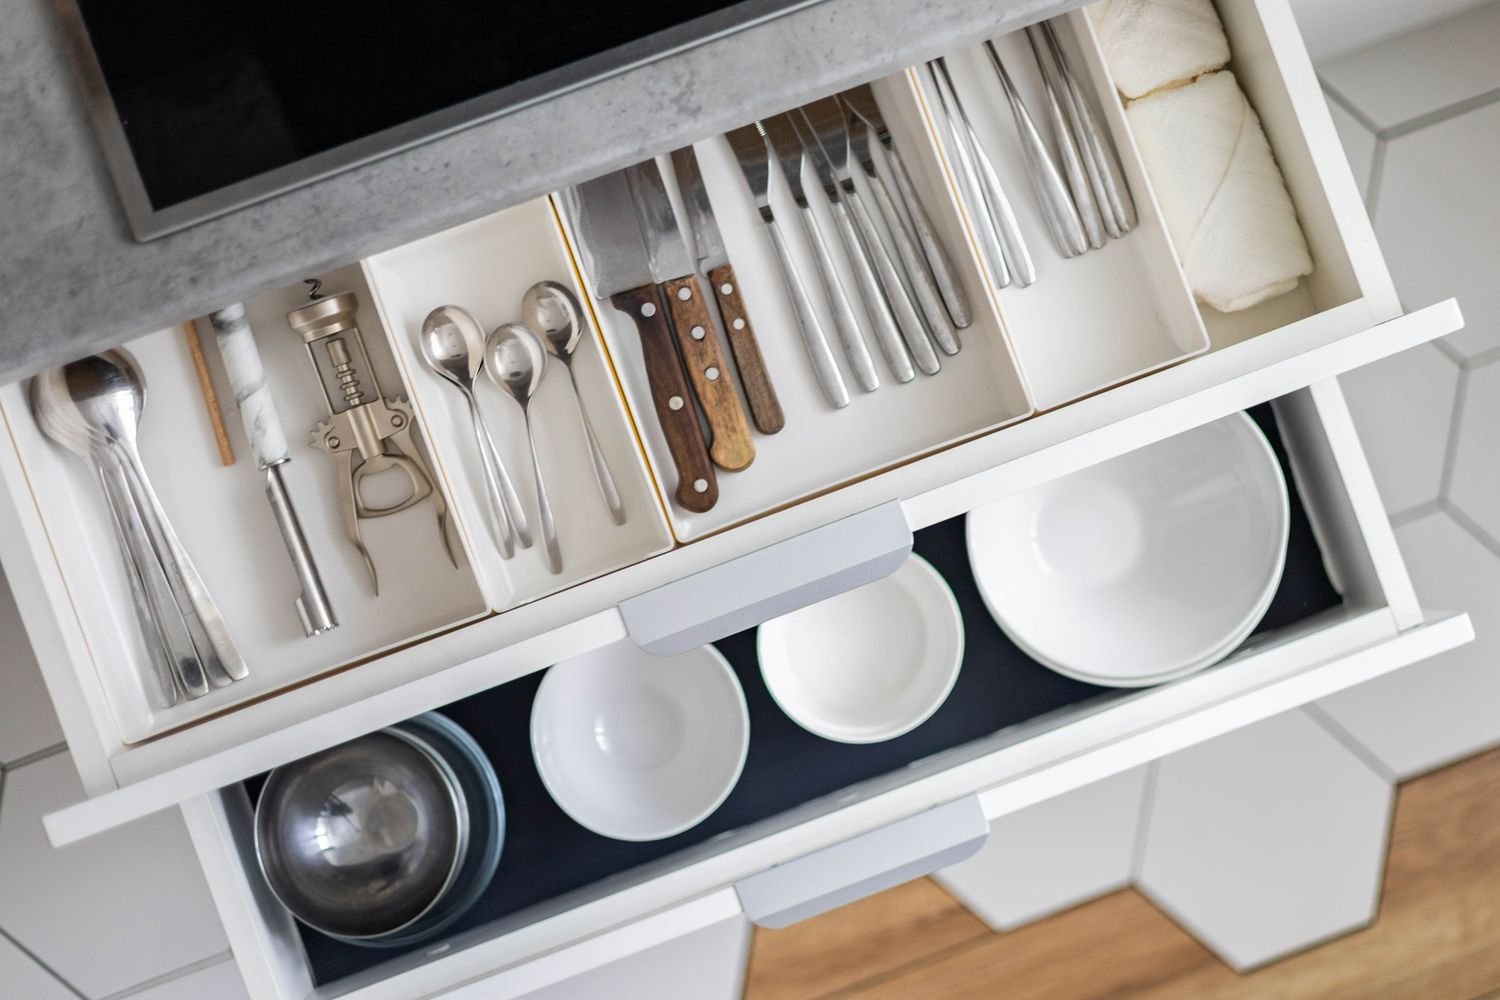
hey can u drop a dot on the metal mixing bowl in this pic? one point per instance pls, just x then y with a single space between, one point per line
365 838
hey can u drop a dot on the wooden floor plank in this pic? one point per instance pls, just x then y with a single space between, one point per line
1437 936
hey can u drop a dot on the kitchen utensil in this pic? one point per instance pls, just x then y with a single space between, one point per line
706 242
990 205
782 143
107 393
859 103
516 361
1143 568
1065 136
1052 192
755 157
268 444
673 268
870 664
1101 163
453 346
877 301
614 256
365 838
486 814
362 423
639 747
552 311
210 397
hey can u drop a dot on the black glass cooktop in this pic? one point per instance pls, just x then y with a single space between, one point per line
219 104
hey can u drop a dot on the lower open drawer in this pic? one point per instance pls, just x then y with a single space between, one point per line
1012 733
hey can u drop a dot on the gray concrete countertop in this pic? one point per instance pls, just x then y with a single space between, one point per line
74 279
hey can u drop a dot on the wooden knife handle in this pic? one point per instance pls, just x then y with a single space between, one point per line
697 490
765 408
708 370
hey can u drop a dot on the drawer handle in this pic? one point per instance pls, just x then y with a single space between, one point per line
743 592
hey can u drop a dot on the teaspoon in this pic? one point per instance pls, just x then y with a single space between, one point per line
515 361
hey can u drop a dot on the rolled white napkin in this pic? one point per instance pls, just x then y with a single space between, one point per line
1223 198
1150 44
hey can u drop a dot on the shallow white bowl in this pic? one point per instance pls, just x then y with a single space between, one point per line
640 747
1144 568
869 664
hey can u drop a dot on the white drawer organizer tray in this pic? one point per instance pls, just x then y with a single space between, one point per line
759 566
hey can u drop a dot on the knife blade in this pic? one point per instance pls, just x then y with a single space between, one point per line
613 252
707 245
673 268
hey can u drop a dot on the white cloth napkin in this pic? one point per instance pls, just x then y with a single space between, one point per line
1152 43
1222 196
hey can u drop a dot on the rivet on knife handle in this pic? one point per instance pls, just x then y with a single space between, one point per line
697 490
765 408
708 371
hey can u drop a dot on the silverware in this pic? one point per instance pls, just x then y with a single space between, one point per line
551 310
453 346
268 444
516 362
713 260
860 103
755 157
781 140
613 253
1105 173
1068 151
878 304
1051 190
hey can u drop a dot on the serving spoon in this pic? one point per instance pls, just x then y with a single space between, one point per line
516 361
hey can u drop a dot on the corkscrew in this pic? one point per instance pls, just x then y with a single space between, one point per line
366 434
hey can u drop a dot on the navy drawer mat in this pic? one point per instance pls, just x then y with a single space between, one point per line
548 855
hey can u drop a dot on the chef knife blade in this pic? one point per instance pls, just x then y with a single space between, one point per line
713 259
614 256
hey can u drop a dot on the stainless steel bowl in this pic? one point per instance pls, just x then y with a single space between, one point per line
365 838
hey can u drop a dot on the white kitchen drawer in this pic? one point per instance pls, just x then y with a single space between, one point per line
927 810
731 579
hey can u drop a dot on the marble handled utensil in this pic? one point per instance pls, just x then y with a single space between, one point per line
268 444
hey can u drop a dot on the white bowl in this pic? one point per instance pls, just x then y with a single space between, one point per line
1144 568
869 664
640 747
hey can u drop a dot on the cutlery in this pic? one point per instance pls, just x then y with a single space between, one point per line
247 376
516 362
673 268
782 143
614 256
206 390
551 310
453 346
754 157
1067 141
878 304
1051 190
713 260
860 103
1104 170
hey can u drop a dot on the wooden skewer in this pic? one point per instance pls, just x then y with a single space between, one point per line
210 397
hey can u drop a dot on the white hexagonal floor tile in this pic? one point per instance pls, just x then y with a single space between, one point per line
27 721
112 912
1475 489
220 981
1403 407
1052 855
1436 216
22 978
1267 840
1448 707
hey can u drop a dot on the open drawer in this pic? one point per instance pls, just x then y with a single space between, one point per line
813 824
666 595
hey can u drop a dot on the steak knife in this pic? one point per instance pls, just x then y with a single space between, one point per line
674 270
613 253
765 408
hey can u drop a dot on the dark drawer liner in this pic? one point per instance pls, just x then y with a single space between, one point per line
548 855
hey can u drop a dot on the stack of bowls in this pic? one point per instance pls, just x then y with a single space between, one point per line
387 840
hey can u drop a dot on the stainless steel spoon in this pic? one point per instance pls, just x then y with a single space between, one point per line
453 346
515 361
551 310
